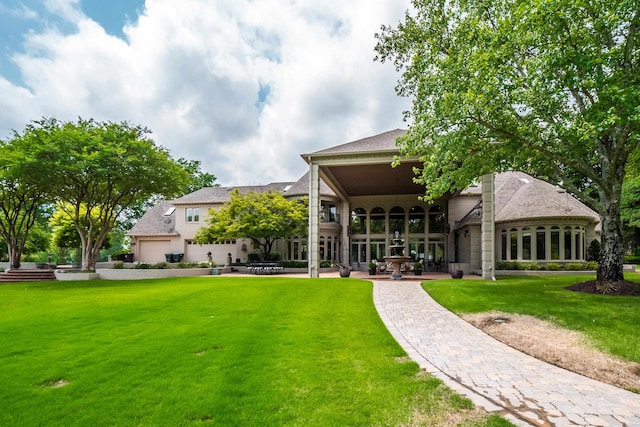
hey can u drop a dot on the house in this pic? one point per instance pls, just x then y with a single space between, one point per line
358 201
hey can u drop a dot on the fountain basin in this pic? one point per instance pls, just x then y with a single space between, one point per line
396 261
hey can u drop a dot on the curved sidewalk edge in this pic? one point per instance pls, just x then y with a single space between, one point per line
493 375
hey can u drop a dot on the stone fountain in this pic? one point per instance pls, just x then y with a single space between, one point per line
396 256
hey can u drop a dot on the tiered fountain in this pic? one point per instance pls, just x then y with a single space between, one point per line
396 256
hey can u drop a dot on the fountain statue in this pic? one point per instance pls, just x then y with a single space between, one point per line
396 256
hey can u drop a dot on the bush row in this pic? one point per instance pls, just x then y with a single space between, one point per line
551 266
165 265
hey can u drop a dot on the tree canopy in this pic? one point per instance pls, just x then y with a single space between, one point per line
21 193
261 217
96 170
549 87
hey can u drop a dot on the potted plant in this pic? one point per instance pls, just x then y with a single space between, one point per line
417 268
456 273
372 268
344 271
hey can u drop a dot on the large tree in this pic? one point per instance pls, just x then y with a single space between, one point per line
261 217
550 87
96 170
21 193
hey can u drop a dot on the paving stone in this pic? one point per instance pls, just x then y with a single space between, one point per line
494 376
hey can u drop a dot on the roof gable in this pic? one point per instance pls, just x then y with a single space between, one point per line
382 142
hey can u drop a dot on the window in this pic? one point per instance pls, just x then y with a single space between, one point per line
437 219
358 251
555 242
358 221
416 249
513 237
328 212
526 243
396 220
193 214
567 243
376 224
541 248
377 249
503 244
416 220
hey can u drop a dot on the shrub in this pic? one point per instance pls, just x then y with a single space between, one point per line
254 257
143 266
632 259
323 264
575 266
591 265
530 266
297 264
118 265
273 256
161 265
593 251
553 266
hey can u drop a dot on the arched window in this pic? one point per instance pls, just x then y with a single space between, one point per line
555 242
437 219
541 243
526 243
416 220
358 221
503 244
396 220
513 243
567 243
376 224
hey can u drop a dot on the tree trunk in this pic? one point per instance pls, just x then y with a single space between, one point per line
89 257
14 258
610 263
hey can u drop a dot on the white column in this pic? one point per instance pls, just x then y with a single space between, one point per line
488 227
345 220
314 220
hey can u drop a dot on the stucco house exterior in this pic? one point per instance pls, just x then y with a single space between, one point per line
357 201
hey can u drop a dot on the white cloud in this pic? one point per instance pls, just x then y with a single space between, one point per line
243 86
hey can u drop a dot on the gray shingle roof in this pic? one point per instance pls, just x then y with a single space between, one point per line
212 195
301 188
520 196
155 223
383 142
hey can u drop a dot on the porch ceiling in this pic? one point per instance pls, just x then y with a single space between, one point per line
372 179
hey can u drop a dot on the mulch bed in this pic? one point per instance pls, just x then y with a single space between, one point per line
623 288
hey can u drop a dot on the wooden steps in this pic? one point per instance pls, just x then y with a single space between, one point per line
20 275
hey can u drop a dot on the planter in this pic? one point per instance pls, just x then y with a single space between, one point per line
417 272
75 275
457 274
344 272
372 272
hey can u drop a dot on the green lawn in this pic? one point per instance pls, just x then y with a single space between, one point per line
212 351
611 322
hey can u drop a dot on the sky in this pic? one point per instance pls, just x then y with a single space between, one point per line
244 86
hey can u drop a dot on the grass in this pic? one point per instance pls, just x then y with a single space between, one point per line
210 351
610 322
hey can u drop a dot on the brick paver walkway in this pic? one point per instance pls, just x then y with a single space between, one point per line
495 376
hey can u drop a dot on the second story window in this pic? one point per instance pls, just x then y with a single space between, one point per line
193 214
